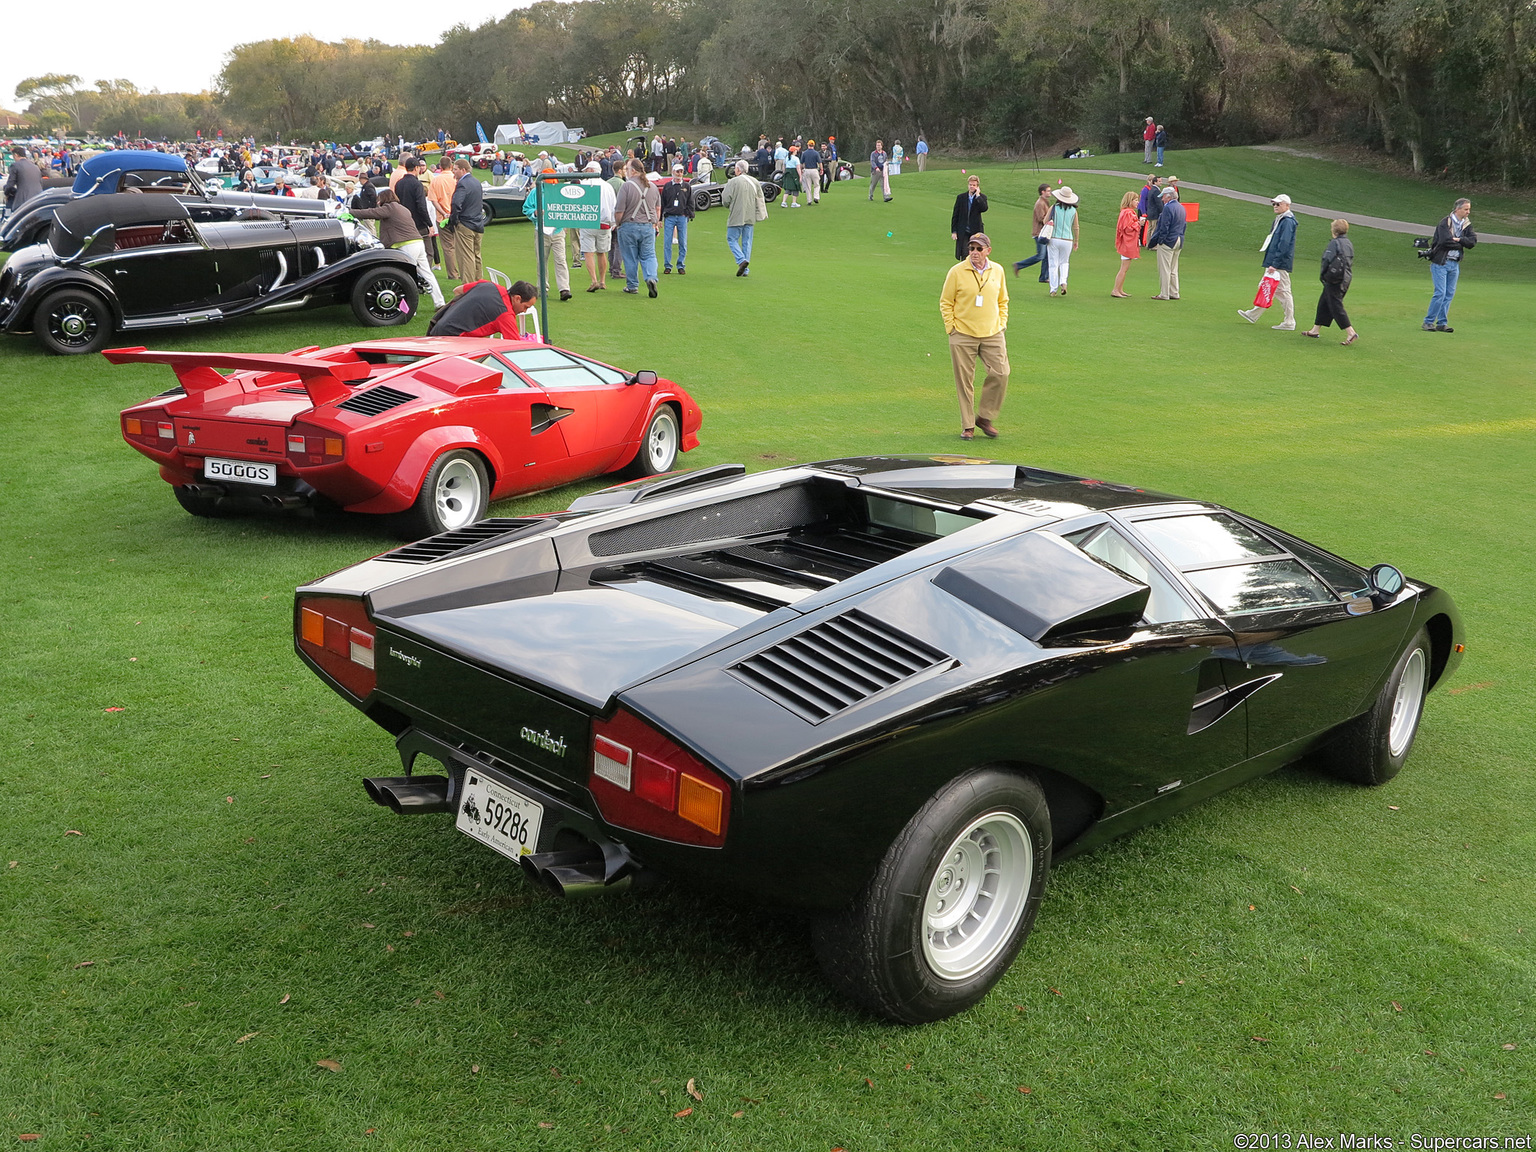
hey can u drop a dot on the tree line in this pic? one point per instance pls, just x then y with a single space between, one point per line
1443 84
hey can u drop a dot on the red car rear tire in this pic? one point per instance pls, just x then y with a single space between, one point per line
454 494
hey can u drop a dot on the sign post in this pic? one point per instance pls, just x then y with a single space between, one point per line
562 200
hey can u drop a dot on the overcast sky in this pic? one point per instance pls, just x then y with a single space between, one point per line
181 47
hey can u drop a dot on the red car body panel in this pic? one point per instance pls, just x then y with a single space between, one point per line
287 410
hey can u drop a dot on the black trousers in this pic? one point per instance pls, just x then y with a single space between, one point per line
962 244
1330 306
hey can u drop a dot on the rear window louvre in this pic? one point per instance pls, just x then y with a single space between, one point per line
483 533
835 665
376 400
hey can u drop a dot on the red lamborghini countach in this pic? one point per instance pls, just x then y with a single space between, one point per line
426 430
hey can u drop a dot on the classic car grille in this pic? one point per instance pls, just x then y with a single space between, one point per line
831 667
460 540
376 400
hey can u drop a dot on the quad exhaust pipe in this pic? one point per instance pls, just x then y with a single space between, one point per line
585 871
409 795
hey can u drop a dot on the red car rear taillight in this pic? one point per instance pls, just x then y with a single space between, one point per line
644 782
151 428
308 446
338 636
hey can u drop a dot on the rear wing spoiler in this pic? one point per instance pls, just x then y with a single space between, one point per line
326 381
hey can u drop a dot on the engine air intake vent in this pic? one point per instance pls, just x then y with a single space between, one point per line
496 529
376 400
774 511
833 666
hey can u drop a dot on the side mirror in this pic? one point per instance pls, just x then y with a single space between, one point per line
1386 582
645 376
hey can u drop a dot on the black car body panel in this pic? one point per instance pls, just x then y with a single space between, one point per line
839 641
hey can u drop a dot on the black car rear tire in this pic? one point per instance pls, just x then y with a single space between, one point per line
701 201
378 295
454 494
659 447
771 191
950 904
72 322
1372 748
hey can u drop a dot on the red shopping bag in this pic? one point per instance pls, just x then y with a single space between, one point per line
1265 296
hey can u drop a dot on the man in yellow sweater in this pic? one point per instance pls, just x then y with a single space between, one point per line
974 305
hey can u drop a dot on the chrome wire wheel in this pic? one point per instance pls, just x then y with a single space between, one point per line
456 494
977 895
1406 704
73 323
384 296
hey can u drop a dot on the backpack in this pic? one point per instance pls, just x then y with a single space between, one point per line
1334 273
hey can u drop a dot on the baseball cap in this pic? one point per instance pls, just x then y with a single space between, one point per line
980 238
1280 199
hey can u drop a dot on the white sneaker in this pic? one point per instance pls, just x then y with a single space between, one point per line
1245 316
1283 327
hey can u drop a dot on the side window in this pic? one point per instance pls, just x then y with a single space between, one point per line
549 368
510 380
1235 567
604 373
1105 544
1261 587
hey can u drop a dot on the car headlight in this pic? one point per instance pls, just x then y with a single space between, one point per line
359 236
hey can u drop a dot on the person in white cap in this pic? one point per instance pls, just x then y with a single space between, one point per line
974 307
1279 254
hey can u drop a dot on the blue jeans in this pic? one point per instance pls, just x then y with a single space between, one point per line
637 245
1444 277
1159 153
739 237
669 226
1041 257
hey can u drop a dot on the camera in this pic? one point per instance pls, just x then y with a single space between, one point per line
1423 244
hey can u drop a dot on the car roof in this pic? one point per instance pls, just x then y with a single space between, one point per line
960 480
122 209
107 163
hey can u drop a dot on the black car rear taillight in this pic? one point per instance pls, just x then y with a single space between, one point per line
644 782
338 636
308 446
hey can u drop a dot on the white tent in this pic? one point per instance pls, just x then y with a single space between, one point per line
537 132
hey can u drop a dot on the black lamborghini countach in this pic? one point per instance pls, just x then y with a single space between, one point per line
889 691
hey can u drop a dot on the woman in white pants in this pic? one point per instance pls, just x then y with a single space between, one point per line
1063 238
397 229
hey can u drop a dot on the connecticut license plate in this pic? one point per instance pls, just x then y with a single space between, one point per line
244 471
494 814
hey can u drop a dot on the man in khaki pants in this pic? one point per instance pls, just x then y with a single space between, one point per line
974 305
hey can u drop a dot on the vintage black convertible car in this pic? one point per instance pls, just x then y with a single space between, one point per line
707 194
890 691
127 262
152 173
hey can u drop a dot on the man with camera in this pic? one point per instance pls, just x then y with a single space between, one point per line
1453 235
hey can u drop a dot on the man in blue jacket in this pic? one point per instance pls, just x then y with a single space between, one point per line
1279 255
1168 240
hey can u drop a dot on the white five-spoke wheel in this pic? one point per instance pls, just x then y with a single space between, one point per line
949 904
977 895
454 494
457 494
1372 748
658 450
1407 702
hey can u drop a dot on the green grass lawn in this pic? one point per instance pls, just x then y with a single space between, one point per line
1295 956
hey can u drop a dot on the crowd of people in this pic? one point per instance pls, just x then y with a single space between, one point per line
974 300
